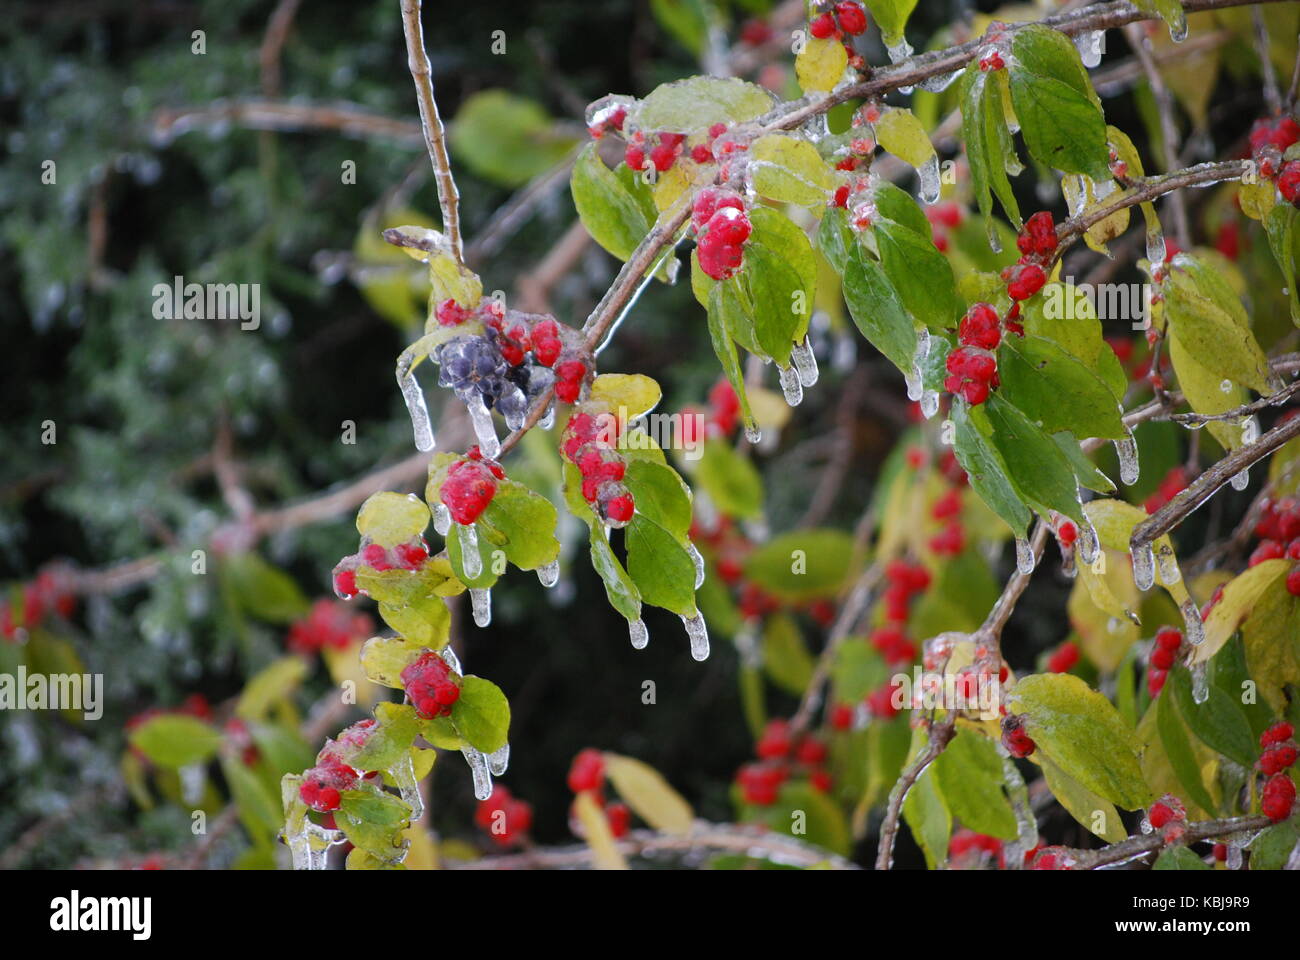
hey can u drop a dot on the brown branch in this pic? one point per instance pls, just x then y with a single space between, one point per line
941 735
1168 127
257 114
277 33
1271 95
431 122
1237 413
1150 842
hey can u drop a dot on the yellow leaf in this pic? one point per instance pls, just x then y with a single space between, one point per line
390 518
649 795
1240 595
820 65
903 135
627 394
604 849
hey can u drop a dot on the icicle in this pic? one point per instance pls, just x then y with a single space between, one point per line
518 411
479 769
470 559
699 634
1127 451
1193 627
481 603
1234 855
640 636
402 776
415 406
310 846
1200 682
929 403
1167 564
1090 45
1177 24
915 387
1024 556
1144 567
485 430
940 82
548 418
928 173
549 573
1156 251
1068 568
698 560
441 519
791 386
1241 479
1089 548
753 434
498 761
805 362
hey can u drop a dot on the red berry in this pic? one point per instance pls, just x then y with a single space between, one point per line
820 781
1165 810
428 683
587 771
662 157
1220 852
1276 758
634 157
1156 681
1278 798
975 392
822 27
700 153
1288 182
620 509
1163 659
1067 533
1293 582
412 555
1017 742
853 19
775 741
729 226
980 327
619 816
467 491
812 751
719 260
1267 550
1041 231
1278 733
1026 280
841 198
841 717
1065 657
376 556
948 505
1168 638
345 583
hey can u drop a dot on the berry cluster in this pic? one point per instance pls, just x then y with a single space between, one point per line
51 592
469 486
590 443
1037 245
1164 655
755 32
430 685
1017 742
325 625
760 783
721 227
993 56
972 367
587 774
720 419
505 818
1278 797
1269 140
847 17
330 624
1279 526
323 784
1168 815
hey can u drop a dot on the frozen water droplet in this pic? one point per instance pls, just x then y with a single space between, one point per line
1194 628
498 761
915 388
485 430
805 362
1226 386
638 633
928 173
1144 567
1168 566
1156 251
790 386
1127 451
470 559
518 411
1089 548
699 634
1234 857
193 779
753 434
549 573
1145 826
929 403
421 425
1024 556
480 602
698 560
1091 45
478 768
899 51
1178 24
1200 683
548 418
1241 479
441 519
450 659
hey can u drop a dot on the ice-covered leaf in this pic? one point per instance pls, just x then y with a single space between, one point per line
1272 639
1208 320
389 741
660 496
902 134
697 103
525 522
987 470
390 518
968 775
819 66
617 211
1059 113
891 16
1091 811
789 169
660 566
1240 597
628 394
1039 472
482 714
1055 391
384 659
1219 722
920 274
877 311
1178 748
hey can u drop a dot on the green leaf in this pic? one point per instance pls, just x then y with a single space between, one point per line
822 821
924 810
1204 393
724 313
1210 323
176 740
1280 227
263 591
774 291
660 566
891 16
1084 735
819 66
1056 391
968 775
527 521
1085 471
389 741
697 103
609 207
1038 470
785 656
1091 811
789 169
374 821
902 134
1179 858
660 496
384 659
1272 638
1173 737
919 273
273 683
1272 846
258 808
731 480
1060 116
802 564
876 310
390 518
836 239
482 714
1066 316
506 138
986 469
1219 722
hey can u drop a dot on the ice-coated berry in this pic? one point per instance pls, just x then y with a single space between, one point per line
1279 732
823 26
467 490
980 327
1278 798
728 226
1026 280
429 685
1288 182
852 18
1014 738
1276 758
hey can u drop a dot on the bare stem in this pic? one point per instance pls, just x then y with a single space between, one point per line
941 735
1150 842
434 138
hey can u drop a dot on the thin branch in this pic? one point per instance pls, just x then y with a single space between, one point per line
1168 127
1271 95
941 735
434 138
348 119
1238 413
277 32
1150 842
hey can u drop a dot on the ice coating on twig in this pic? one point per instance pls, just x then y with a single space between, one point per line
1156 250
